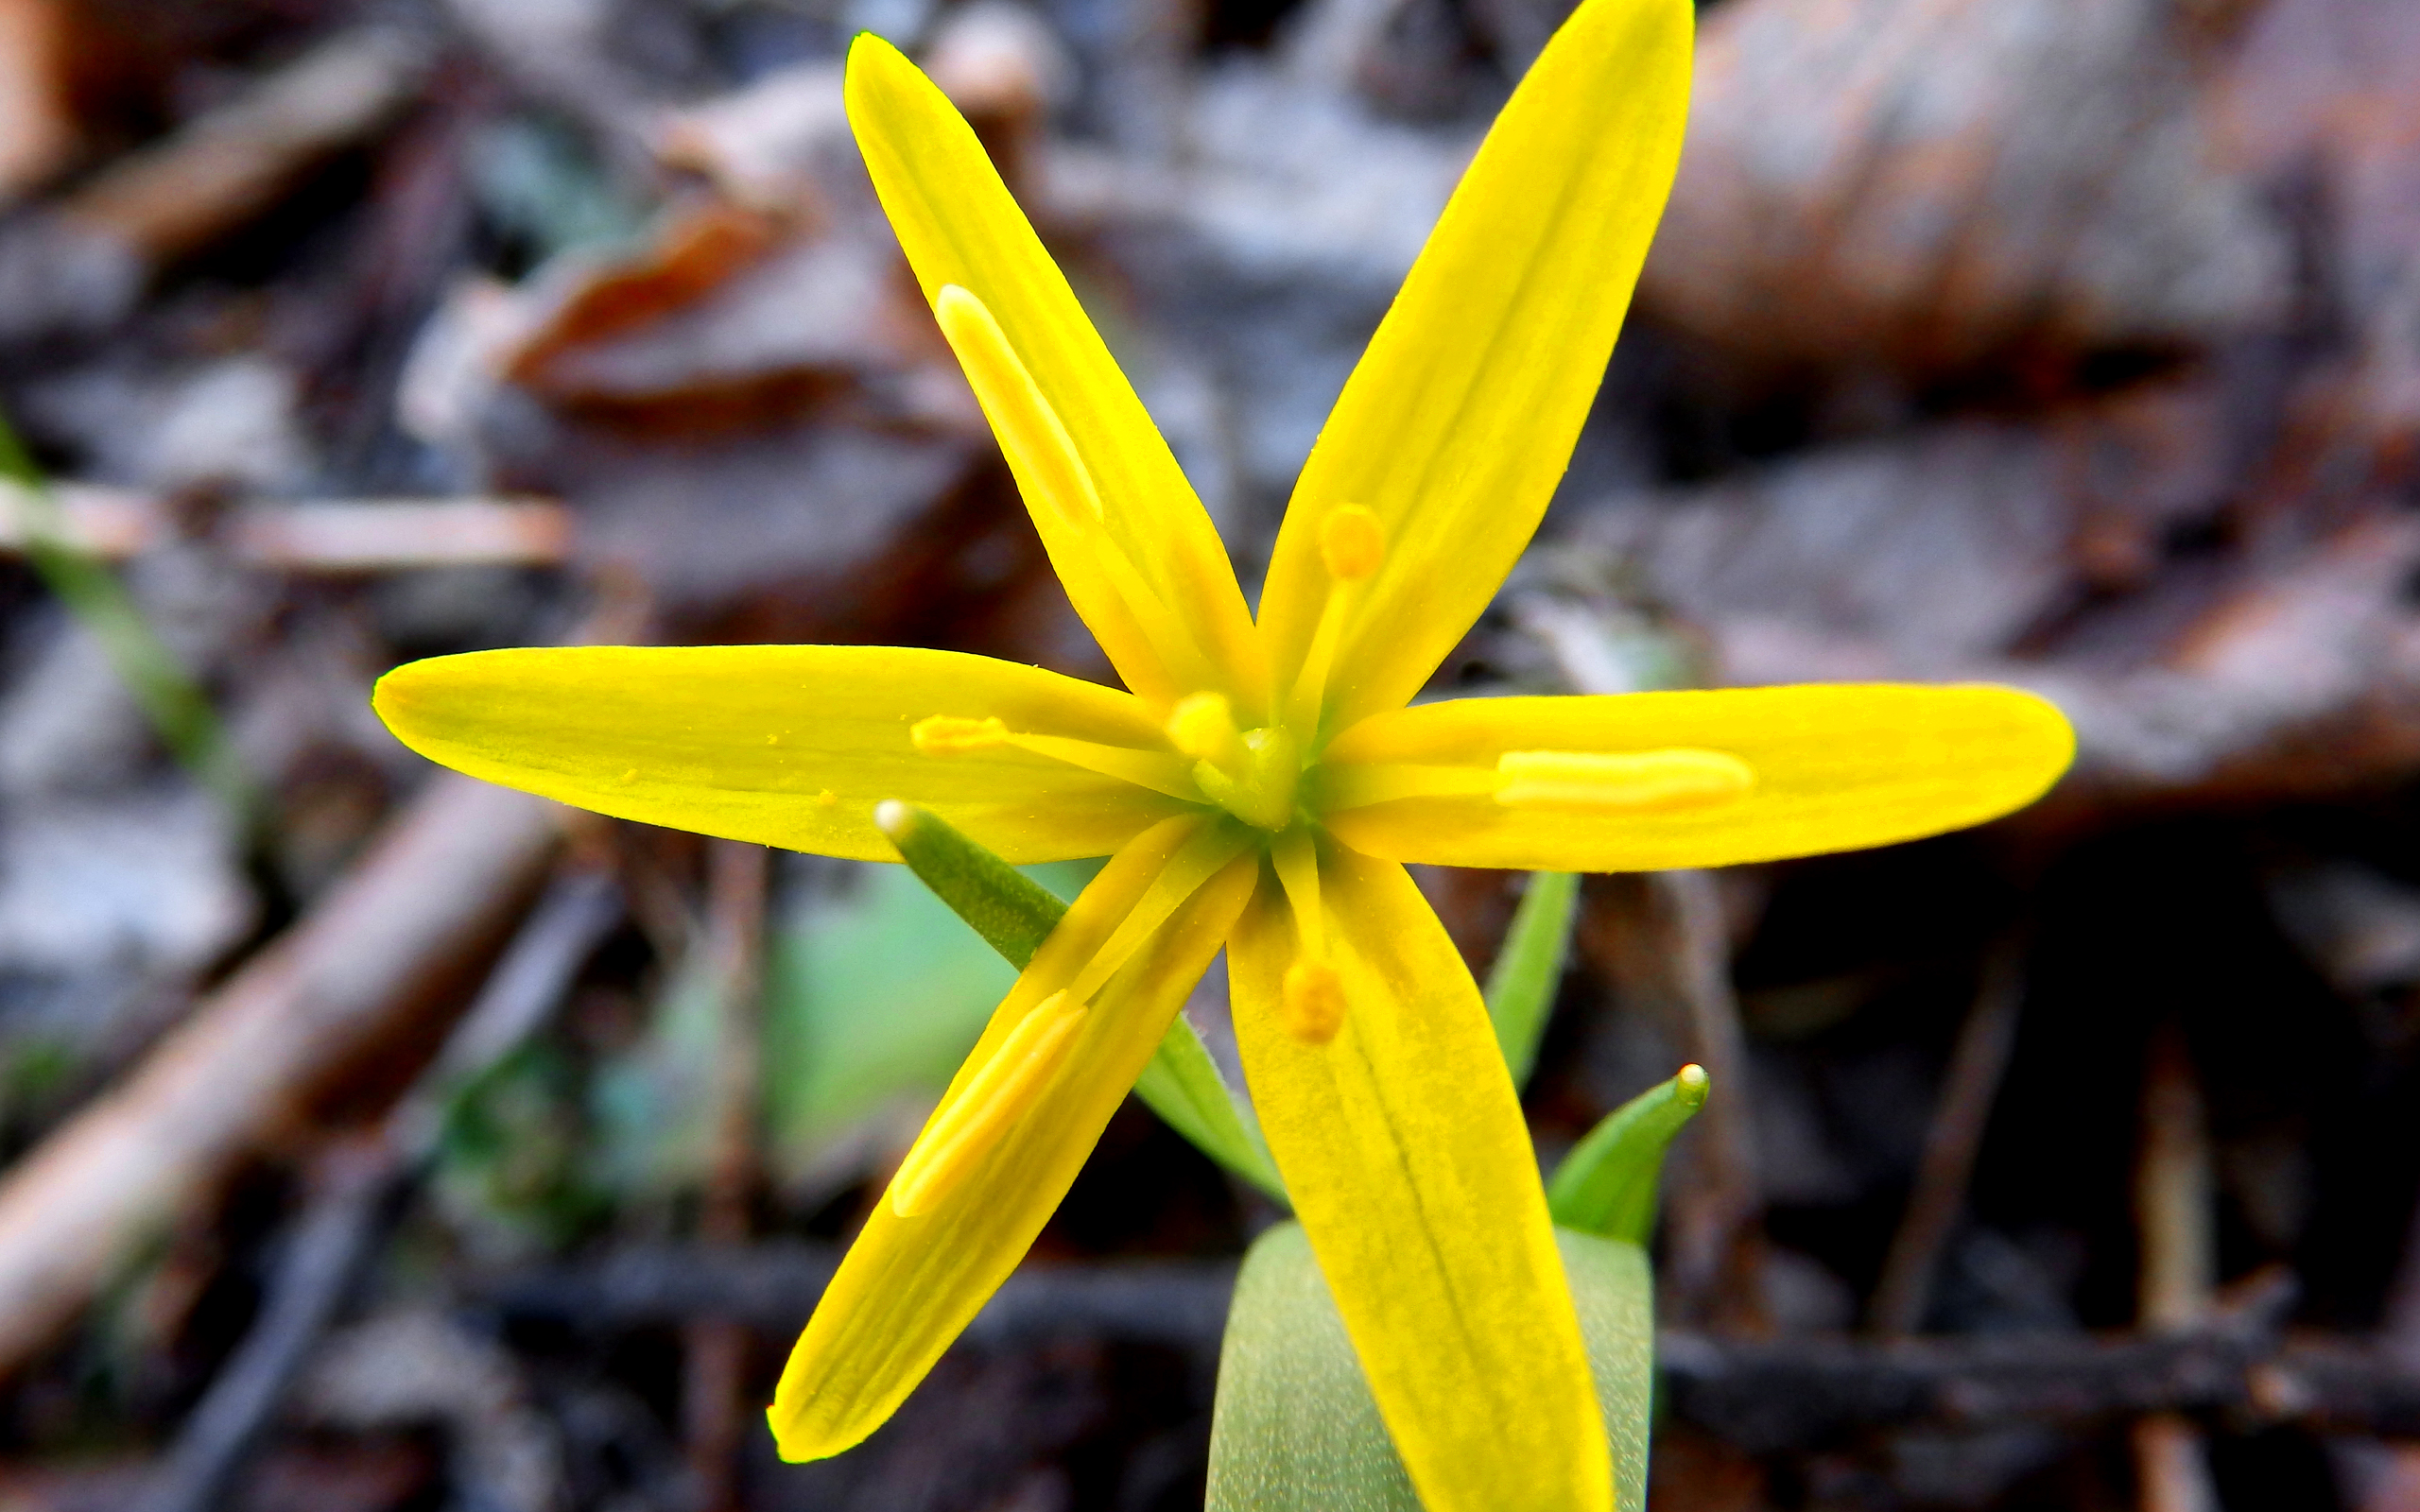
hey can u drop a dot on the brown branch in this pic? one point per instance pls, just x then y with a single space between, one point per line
1716 1214
1967 1093
717 1348
317 536
179 195
2173 1193
386 944
360 1186
1762 1395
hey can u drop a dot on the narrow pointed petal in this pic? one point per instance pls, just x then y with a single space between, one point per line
788 746
1401 1144
910 1284
959 227
1831 767
1460 417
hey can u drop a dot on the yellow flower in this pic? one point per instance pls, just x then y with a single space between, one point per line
1261 782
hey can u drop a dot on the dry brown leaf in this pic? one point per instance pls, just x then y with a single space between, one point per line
1917 184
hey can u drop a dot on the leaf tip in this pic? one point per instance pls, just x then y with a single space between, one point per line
1690 1084
896 820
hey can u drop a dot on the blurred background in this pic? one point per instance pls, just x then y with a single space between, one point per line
380 1141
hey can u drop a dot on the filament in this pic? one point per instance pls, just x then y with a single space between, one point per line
958 735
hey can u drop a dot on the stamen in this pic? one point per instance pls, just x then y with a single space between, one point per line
1352 542
1354 786
1676 779
958 735
1352 546
1030 430
1310 1007
955 735
1204 727
1630 781
1311 1000
1296 857
1044 455
1009 1084
1193 865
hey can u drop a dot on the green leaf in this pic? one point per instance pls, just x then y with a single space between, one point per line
1606 1185
1013 915
1296 1427
1183 1085
870 996
1528 967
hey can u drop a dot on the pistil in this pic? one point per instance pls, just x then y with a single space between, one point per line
1250 773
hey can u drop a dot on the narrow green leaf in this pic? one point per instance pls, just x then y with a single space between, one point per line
1183 1085
1528 967
1606 1185
1296 1427
176 709
1014 915
873 994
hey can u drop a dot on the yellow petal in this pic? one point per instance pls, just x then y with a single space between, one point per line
1401 1144
789 745
910 1284
1831 767
960 226
1460 416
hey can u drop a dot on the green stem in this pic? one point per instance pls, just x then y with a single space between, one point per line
1014 915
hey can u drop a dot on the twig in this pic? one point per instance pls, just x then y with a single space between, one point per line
718 1349
233 163
1763 1395
356 1187
2396 1486
315 536
2172 1215
361 1186
1967 1093
81 264
387 942
1714 1222
772 1287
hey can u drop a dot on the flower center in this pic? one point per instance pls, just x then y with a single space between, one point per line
1250 773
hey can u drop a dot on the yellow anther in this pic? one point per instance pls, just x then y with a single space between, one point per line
1311 1006
1646 779
1352 542
1030 433
1009 1084
827 799
1204 727
953 734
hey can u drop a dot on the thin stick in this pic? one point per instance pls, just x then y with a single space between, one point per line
1716 1216
718 1349
305 535
361 1186
1939 1195
2173 1216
